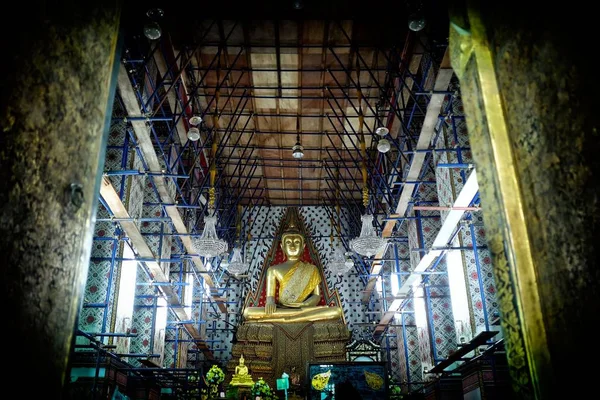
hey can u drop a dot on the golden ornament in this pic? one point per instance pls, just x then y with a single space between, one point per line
374 381
319 381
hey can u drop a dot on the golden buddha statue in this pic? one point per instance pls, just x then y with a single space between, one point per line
299 293
241 377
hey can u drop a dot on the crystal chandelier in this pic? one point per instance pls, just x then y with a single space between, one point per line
368 243
338 264
237 266
208 244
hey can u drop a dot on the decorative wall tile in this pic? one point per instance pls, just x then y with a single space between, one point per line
142 327
440 309
97 283
401 371
169 355
429 227
414 358
136 193
480 280
413 243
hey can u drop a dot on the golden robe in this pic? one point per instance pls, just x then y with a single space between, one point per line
298 283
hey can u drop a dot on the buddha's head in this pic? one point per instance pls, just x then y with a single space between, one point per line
292 242
242 359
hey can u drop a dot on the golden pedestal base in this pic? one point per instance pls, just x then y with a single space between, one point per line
240 392
273 348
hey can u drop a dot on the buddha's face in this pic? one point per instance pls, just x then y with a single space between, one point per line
292 246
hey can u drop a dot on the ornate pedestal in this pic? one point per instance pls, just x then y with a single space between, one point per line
239 392
272 348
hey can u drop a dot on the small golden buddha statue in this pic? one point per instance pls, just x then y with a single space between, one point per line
299 291
241 377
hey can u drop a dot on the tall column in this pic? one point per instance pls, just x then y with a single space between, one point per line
56 92
531 102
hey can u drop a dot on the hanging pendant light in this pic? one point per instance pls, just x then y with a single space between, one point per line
195 120
382 131
237 265
152 29
337 263
208 244
383 146
298 149
348 263
193 134
368 243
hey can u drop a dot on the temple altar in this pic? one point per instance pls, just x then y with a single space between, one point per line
272 343
271 349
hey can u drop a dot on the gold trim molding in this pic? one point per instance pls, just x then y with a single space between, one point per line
515 271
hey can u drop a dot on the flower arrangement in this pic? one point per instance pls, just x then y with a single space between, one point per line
263 390
394 388
215 376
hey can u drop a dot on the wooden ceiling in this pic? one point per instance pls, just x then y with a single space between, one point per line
264 85
326 75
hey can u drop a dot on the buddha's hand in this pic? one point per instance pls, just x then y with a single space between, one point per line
270 305
310 302
295 305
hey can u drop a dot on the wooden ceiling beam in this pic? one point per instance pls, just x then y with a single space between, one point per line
143 250
150 156
442 81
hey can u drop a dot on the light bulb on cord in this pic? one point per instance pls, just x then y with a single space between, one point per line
193 134
416 22
195 120
382 131
152 29
383 146
298 149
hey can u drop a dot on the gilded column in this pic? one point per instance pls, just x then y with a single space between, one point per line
532 122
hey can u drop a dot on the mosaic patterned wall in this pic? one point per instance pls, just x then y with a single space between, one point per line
349 286
143 316
444 340
150 340
91 318
97 312
436 341
389 342
479 277
481 285
478 271
174 334
412 354
399 359
261 223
